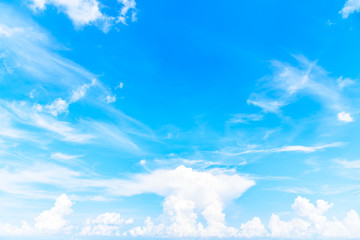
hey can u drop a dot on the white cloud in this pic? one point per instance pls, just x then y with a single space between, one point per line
345 117
24 113
289 82
296 228
252 228
48 222
61 156
88 12
344 82
33 58
127 5
60 105
57 106
110 99
350 7
52 221
81 91
189 193
267 105
349 164
311 222
8 31
297 148
121 86
149 229
106 224
244 118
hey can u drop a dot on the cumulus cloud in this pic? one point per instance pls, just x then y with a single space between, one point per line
252 228
189 193
311 222
344 117
48 222
110 99
106 224
350 7
89 12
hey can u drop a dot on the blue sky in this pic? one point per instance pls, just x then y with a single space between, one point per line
124 119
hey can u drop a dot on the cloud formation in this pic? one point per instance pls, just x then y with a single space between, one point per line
296 148
89 12
106 224
51 221
311 222
290 82
345 117
350 7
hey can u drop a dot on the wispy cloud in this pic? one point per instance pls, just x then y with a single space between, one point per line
296 148
349 164
62 156
244 118
26 114
58 83
89 12
289 82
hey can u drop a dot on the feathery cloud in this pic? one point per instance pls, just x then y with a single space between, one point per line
89 12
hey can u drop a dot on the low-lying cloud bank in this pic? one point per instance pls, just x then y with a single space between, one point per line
193 207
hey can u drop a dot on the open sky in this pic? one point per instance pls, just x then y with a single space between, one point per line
192 119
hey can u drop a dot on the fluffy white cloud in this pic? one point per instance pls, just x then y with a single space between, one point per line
52 221
350 7
48 222
110 99
86 12
312 222
345 117
106 224
189 193
252 228
60 105
57 106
